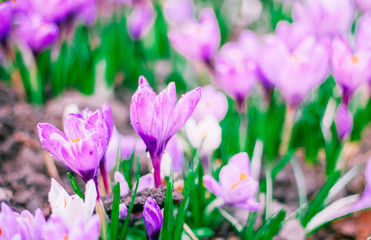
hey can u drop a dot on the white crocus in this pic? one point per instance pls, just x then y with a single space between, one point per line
205 135
72 208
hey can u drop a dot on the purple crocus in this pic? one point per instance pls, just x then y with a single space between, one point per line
350 68
197 40
56 229
6 13
235 187
152 218
363 33
212 103
236 67
295 72
177 12
156 118
108 118
20 226
81 147
37 33
322 18
363 5
141 19
343 121
52 10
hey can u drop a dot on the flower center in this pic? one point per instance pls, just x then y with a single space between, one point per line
65 236
355 59
76 140
243 176
294 57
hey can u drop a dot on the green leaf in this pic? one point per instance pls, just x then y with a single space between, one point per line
115 211
125 228
317 204
248 231
75 186
183 206
168 226
271 227
204 232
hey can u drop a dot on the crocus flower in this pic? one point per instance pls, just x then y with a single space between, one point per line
141 19
57 229
235 185
156 118
343 121
363 33
37 33
294 72
363 5
20 226
236 67
322 18
72 208
81 147
213 103
6 13
205 135
152 218
350 68
52 10
177 12
197 40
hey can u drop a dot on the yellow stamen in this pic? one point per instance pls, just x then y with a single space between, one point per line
75 140
65 203
294 57
355 59
65 237
243 176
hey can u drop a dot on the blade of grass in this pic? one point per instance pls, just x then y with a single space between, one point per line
167 226
125 228
75 186
317 204
115 211
183 206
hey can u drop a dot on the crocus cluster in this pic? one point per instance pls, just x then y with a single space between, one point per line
235 187
156 118
71 218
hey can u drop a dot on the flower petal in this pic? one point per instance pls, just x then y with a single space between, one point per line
183 110
213 186
124 187
52 139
